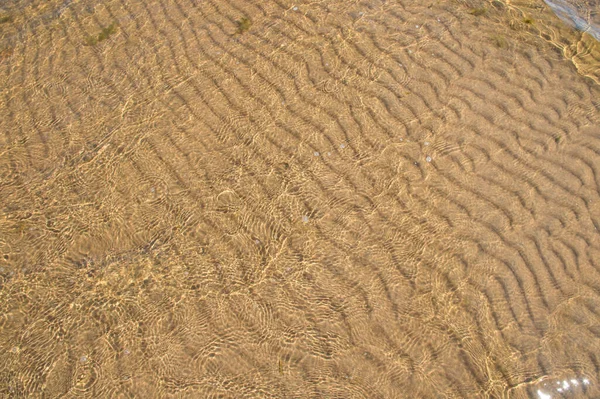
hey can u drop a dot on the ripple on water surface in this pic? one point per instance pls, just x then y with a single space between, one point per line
582 15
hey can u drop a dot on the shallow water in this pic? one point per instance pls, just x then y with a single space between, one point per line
584 16
272 199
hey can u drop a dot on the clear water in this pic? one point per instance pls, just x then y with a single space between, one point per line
298 199
581 15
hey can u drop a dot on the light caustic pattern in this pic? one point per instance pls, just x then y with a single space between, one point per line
274 199
582 15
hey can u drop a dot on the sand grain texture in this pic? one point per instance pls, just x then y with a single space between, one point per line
379 199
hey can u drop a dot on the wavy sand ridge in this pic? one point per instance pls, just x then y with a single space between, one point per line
378 199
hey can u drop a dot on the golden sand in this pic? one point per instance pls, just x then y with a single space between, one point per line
326 199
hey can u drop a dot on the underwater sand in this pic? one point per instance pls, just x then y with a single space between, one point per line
322 199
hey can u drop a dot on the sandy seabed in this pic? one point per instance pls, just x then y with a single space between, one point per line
322 199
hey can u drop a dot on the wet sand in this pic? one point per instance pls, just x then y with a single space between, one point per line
267 199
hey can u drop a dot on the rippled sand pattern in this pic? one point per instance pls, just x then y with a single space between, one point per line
267 199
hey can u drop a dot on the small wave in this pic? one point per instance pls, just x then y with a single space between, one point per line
576 16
